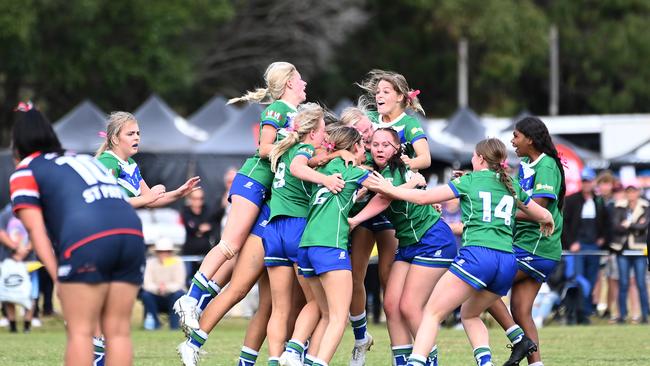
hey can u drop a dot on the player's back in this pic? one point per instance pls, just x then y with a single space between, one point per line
77 195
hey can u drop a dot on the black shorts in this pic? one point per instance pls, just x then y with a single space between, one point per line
112 258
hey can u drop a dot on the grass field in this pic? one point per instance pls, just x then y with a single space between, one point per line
591 345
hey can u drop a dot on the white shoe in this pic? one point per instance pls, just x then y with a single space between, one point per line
290 359
36 323
186 309
4 322
359 351
189 354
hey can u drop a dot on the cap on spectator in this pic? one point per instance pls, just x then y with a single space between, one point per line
164 245
588 174
631 187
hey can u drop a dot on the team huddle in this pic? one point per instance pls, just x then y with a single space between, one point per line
306 211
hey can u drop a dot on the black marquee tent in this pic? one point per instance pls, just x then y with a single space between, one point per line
212 115
466 125
79 129
159 128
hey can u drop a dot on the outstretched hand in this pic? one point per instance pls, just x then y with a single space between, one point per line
188 187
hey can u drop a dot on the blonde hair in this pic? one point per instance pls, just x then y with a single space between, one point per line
494 153
116 120
306 120
351 116
399 83
276 77
344 137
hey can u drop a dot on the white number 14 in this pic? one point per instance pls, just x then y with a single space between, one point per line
503 209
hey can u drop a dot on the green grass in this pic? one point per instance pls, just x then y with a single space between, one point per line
591 345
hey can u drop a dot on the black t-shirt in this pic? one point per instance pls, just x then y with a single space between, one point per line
196 242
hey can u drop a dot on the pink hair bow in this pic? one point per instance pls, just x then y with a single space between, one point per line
24 107
413 94
504 164
293 128
329 146
102 134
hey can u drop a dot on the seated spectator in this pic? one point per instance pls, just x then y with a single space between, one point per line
164 283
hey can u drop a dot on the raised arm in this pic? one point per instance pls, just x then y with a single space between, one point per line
422 159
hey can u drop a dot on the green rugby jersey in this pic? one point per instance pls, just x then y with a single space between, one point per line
279 115
127 172
541 178
290 195
488 209
408 128
327 222
411 221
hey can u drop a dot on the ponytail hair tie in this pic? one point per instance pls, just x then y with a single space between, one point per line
329 146
24 107
504 164
414 93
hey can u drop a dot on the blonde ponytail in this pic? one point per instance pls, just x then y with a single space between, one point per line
276 77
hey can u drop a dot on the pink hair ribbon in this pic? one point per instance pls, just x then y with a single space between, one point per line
24 107
329 146
102 134
414 93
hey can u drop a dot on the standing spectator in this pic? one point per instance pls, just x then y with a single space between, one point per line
606 186
585 221
631 217
164 283
199 225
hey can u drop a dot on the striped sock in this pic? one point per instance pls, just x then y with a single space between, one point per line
247 356
100 351
197 338
483 355
295 346
309 360
515 334
401 354
359 326
199 287
319 362
274 361
213 290
417 360
432 360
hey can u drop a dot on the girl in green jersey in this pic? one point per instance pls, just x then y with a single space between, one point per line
426 246
290 194
323 254
284 90
485 266
377 230
541 175
388 96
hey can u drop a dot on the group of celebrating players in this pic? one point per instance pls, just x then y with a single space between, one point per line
306 210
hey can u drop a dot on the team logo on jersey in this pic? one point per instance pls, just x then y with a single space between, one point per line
456 180
273 115
64 270
543 187
438 253
415 130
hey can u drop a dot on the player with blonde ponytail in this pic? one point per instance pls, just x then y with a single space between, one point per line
290 194
284 90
